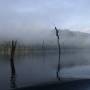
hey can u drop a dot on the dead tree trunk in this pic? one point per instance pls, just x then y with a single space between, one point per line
58 68
12 56
13 72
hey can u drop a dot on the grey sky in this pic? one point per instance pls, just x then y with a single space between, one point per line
35 16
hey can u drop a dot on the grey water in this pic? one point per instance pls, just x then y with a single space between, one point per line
40 67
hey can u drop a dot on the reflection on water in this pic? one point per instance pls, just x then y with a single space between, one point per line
39 67
13 81
13 74
58 68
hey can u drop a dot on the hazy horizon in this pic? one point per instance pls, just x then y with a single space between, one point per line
31 19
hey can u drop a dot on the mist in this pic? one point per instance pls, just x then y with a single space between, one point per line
31 21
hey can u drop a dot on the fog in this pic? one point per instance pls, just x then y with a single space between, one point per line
68 38
32 21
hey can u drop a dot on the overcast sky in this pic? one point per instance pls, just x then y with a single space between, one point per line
35 16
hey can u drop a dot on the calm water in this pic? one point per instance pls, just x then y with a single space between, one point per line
39 68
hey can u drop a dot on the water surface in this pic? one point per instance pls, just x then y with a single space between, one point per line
36 68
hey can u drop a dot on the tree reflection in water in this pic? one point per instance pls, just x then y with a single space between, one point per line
13 72
13 81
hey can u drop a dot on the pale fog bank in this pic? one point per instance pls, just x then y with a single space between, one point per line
68 38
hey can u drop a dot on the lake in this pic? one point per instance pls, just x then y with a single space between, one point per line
40 67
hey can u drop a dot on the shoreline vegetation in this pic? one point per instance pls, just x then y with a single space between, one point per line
5 48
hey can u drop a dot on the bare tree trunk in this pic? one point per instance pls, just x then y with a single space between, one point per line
58 67
12 56
13 72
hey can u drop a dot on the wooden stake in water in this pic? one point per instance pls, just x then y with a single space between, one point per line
58 68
